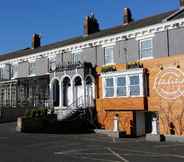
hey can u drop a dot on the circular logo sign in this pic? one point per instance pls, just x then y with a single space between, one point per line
169 83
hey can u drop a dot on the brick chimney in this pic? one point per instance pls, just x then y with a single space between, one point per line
91 25
127 16
36 41
181 3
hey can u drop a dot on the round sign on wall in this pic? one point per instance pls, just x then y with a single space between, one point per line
169 83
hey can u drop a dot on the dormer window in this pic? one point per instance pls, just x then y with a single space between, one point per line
108 55
146 48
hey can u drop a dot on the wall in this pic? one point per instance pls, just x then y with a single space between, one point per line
41 66
89 55
170 111
23 70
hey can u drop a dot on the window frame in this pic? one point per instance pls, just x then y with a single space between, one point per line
32 67
76 55
109 87
112 61
142 50
14 71
133 75
125 86
127 76
51 64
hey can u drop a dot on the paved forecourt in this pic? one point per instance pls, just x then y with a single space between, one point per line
19 147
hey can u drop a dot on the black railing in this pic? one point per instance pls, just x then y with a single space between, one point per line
70 66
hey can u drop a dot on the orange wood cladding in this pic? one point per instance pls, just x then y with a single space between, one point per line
170 111
134 103
105 119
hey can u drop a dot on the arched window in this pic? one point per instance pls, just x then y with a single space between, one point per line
56 94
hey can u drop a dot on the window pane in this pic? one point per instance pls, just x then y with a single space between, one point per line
134 80
121 81
109 82
146 44
121 91
76 57
146 49
108 55
109 92
109 87
134 85
134 90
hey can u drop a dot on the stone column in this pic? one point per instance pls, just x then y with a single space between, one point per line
155 126
116 123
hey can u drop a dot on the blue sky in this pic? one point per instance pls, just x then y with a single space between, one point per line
56 20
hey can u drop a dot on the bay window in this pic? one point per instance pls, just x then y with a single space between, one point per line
126 84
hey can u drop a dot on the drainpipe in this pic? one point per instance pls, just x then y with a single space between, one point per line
168 46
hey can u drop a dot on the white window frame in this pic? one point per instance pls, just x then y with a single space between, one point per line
14 71
140 48
116 85
127 75
112 61
129 85
110 87
32 66
76 55
52 64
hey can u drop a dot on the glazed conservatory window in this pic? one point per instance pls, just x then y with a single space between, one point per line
134 85
146 48
121 86
109 55
109 87
126 84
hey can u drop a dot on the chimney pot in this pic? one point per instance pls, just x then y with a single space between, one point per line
181 3
127 16
91 25
36 42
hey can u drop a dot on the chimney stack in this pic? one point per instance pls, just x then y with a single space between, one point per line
127 16
91 25
36 41
181 3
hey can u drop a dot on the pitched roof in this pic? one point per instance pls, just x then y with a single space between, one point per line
106 32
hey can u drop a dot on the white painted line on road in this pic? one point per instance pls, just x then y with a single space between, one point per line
69 151
175 155
153 154
83 157
117 155
172 145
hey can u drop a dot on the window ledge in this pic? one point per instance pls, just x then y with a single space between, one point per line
109 64
119 97
146 58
